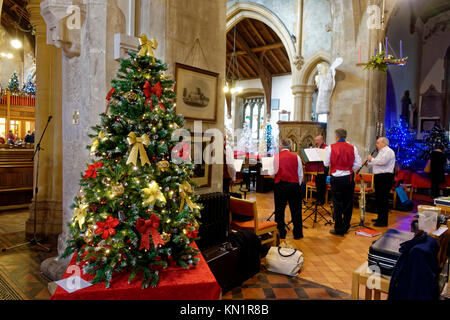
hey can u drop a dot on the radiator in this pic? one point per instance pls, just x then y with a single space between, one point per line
215 219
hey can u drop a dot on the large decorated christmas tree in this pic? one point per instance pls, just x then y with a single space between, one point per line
402 141
13 84
135 211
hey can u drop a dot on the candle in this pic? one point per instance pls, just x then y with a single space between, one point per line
375 51
386 47
359 56
401 50
380 49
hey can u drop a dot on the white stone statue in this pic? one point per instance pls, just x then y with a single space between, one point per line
325 82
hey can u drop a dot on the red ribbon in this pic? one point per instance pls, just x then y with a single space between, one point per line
110 92
149 91
147 227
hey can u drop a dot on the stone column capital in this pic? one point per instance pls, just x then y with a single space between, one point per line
64 19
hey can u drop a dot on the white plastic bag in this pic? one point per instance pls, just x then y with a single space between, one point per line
284 260
428 221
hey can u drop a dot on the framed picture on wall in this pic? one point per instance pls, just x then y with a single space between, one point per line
202 172
275 104
197 92
284 116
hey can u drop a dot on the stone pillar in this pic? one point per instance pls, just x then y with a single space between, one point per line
48 103
85 83
308 103
299 103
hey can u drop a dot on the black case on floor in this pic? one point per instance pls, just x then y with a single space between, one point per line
384 252
222 259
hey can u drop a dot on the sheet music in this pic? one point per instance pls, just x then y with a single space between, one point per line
267 164
316 154
238 164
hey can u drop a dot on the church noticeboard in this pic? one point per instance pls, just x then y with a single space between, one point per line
197 93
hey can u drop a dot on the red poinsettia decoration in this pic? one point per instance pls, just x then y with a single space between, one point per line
107 227
91 172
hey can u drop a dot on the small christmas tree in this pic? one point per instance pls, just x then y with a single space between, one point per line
29 87
13 84
434 138
135 211
402 141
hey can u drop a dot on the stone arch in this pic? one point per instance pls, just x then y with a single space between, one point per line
242 10
309 70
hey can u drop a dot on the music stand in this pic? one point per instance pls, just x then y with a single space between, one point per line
34 240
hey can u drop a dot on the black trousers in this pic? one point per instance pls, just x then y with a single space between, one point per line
342 189
287 192
226 185
321 186
383 185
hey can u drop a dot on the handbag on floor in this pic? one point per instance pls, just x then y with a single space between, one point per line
284 260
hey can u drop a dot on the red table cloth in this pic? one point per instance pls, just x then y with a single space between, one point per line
174 284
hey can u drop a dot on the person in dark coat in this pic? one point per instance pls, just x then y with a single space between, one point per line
415 275
438 160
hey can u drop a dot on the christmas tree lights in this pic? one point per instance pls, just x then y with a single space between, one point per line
402 141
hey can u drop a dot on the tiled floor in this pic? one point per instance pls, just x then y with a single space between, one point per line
328 260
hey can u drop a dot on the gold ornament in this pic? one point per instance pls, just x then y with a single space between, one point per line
163 165
152 193
89 234
131 96
165 237
147 46
185 191
118 190
79 214
138 148
81 194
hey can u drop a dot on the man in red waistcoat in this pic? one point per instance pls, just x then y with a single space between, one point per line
342 158
288 178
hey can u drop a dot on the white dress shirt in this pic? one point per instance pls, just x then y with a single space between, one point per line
357 163
274 169
384 162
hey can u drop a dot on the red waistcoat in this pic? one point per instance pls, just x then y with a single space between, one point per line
287 167
342 157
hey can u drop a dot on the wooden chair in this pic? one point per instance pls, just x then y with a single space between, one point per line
369 179
248 208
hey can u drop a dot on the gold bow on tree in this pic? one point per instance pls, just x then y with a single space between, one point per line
185 190
138 144
79 214
147 46
152 193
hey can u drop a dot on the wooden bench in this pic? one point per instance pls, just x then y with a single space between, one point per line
16 178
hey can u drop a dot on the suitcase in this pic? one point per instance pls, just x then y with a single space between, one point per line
222 259
384 252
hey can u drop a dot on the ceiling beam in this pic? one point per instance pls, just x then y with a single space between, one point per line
259 49
263 73
255 31
277 61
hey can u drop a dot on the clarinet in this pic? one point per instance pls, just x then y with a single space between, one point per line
362 191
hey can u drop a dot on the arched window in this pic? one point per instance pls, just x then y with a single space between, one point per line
254 116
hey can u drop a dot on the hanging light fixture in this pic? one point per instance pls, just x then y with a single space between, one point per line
233 76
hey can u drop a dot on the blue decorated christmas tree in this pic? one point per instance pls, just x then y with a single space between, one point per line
434 138
30 86
402 141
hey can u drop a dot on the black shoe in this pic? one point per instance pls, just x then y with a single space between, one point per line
380 225
332 231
